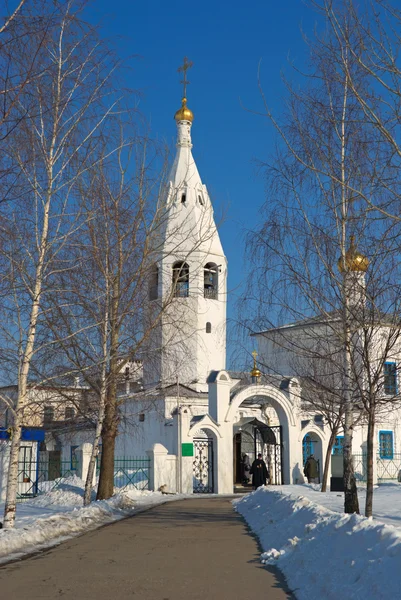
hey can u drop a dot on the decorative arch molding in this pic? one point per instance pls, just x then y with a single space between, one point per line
312 429
280 401
205 423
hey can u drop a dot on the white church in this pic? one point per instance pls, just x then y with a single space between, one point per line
193 419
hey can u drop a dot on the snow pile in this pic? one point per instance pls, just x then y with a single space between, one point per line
324 554
56 516
386 501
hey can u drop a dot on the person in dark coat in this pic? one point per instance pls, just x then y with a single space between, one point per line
311 470
258 472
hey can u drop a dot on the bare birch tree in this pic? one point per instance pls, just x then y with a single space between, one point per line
110 297
329 164
53 147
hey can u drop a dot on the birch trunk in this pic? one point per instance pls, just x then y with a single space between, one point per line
12 477
100 416
95 450
369 460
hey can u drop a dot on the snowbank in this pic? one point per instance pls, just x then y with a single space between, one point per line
56 516
324 554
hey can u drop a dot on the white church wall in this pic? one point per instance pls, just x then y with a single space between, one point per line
143 424
163 469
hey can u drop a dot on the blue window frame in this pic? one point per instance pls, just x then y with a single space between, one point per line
390 378
307 447
386 444
338 448
74 458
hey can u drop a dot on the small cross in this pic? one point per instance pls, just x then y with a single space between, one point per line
183 69
254 354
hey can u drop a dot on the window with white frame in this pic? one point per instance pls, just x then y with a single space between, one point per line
390 378
386 444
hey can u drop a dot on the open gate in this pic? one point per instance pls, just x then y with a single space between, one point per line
271 450
203 475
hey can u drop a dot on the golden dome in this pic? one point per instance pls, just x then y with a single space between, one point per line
255 371
354 260
184 114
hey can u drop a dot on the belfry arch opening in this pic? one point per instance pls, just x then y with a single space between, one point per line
181 279
210 281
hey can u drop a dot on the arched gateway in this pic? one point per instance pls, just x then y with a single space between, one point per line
261 417
264 416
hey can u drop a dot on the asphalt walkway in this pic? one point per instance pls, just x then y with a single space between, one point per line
186 550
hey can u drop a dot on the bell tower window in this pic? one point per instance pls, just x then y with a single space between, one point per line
200 200
181 280
183 198
210 281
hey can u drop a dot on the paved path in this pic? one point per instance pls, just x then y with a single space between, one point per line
186 550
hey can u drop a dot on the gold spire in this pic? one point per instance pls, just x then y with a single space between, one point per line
255 371
354 260
184 113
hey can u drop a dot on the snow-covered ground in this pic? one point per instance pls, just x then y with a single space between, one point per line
58 515
386 501
322 552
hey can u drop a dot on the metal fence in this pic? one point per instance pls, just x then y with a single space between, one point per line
360 467
38 477
130 472
387 468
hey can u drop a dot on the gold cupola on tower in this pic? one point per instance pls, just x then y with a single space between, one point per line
184 113
255 373
354 261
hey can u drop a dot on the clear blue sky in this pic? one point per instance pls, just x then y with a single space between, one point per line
225 40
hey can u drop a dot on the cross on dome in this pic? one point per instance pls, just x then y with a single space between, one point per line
184 113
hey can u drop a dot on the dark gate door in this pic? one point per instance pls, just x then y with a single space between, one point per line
272 454
203 466
238 475
54 464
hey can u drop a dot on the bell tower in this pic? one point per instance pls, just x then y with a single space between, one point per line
189 274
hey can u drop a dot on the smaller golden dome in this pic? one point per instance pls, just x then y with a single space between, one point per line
255 371
184 113
354 260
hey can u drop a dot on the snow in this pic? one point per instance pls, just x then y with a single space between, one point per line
56 516
322 552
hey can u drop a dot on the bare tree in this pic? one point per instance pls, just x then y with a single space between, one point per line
53 147
327 166
109 305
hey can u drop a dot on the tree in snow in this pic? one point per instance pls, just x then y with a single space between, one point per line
51 150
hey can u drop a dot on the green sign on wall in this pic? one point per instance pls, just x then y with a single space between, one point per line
187 449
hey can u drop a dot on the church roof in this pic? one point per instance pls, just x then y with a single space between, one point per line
172 390
245 379
372 317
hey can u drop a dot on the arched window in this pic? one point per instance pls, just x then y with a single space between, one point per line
154 283
181 280
208 327
210 281
200 199
183 198
307 447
